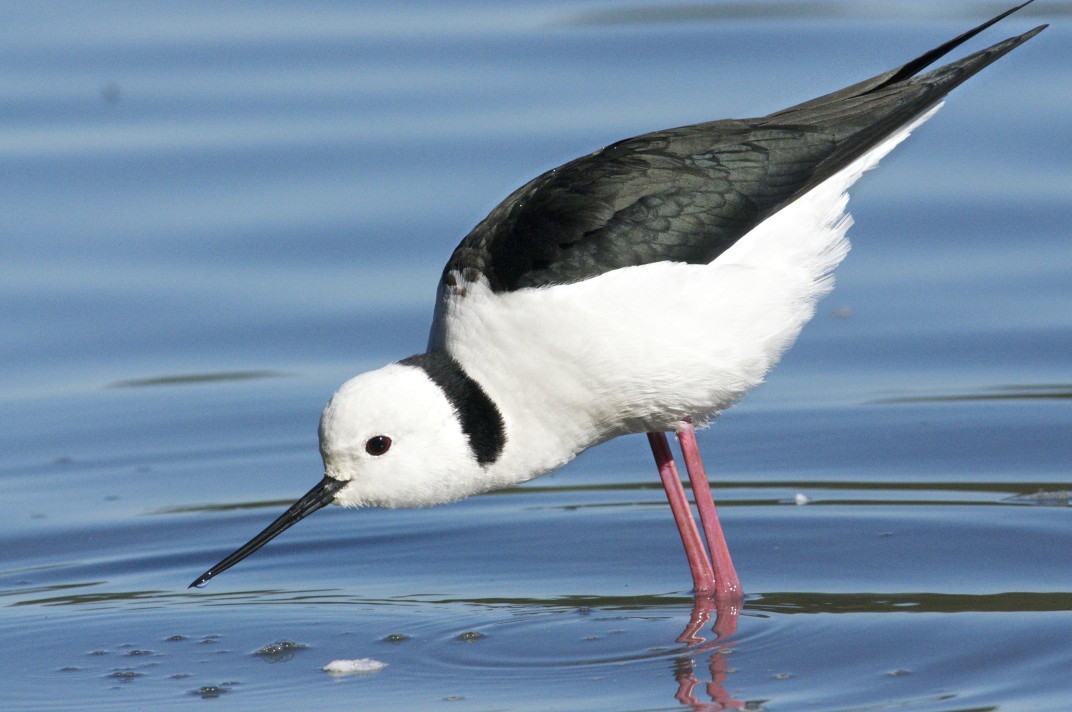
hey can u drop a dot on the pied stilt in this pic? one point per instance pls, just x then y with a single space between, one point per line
642 288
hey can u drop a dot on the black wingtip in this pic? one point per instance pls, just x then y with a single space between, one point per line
1031 33
913 67
925 60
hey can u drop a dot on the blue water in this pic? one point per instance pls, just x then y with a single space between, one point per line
211 216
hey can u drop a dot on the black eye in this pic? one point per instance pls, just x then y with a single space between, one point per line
378 445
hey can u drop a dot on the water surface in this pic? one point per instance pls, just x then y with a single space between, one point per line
212 217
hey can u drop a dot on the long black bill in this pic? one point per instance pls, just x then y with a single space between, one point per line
313 500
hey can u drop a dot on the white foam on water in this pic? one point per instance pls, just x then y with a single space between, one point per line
358 666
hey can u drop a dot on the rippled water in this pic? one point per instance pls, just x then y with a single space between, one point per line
211 217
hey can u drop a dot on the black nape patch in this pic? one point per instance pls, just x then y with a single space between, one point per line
481 420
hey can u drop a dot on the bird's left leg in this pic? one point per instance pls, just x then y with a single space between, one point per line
727 584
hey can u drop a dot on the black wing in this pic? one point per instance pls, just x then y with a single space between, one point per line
687 194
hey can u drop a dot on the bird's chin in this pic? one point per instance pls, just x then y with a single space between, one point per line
350 498
415 498
354 496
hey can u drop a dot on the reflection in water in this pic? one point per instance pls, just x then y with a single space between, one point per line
717 650
1044 498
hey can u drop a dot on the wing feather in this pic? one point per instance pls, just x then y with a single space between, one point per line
687 194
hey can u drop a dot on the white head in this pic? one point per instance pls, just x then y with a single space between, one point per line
415 433
397 441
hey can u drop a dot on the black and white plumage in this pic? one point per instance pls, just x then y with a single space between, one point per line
688 194
637 289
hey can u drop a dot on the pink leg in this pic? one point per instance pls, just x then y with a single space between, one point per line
727 585
703 578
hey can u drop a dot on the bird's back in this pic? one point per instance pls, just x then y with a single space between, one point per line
687 194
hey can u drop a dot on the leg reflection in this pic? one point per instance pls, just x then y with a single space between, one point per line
725 625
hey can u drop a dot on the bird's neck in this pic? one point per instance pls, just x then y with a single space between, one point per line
545 424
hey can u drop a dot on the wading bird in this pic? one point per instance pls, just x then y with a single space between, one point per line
642 288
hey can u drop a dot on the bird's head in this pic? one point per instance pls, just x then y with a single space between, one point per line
389 438
395 439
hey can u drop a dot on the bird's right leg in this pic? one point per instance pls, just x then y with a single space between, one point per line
703 578
727 584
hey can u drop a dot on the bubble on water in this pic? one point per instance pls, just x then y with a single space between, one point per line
470 636
124 675
210 692
280 651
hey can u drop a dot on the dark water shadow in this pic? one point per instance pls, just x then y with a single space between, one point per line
760 604
225 507
1034 493
693 12
196 378
1043 391
699 12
